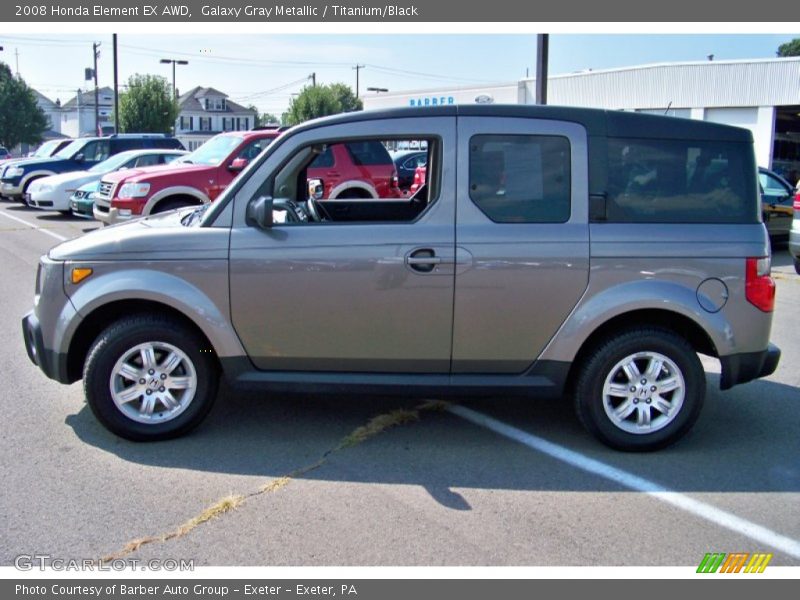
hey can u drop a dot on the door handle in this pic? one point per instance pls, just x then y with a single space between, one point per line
424 260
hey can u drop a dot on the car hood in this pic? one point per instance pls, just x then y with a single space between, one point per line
72 179
150 174
38 163
158 237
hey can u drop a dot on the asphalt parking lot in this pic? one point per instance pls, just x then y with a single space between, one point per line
299 481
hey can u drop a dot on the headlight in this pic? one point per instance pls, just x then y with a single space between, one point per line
14 172
134 190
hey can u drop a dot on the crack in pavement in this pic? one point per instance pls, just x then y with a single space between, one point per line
231 502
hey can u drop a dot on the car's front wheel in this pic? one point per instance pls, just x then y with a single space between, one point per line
641 389
150 378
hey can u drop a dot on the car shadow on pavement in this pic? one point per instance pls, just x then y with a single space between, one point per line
746 441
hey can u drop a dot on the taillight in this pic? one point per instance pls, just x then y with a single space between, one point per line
759 286
797 201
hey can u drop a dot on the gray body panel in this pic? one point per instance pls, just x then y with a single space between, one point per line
340 297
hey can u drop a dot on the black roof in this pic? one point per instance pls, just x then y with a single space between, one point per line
596 121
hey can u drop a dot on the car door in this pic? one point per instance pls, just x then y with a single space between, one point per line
347 296
522 239
776 201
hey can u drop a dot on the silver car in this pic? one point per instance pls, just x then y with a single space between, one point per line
556 252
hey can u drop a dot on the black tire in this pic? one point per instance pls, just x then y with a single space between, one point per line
796 265
603 362
167 205
120 339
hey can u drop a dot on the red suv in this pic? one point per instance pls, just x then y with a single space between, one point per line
196 178
362 169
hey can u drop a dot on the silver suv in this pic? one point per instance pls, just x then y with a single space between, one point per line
550 252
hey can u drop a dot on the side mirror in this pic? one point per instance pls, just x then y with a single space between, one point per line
238 164
259 212
316 189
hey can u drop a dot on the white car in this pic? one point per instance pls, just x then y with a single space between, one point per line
54 192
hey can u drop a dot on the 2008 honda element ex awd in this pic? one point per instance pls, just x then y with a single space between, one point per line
557 252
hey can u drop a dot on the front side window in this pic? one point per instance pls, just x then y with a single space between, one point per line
353 181
520 178
95 151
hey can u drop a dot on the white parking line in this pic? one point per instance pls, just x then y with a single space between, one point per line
590 465
36 227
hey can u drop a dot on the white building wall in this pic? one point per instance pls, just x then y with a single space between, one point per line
760 120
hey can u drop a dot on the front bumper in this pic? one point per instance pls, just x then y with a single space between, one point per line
52 364
110 215
9 189
50 200
741 368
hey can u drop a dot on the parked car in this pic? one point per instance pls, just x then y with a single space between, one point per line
777 196
544 265
81 203
44 151
197 178
406 163
794 234
78 155
54 192
361 169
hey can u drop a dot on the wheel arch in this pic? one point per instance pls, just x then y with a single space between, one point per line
661 318
101 317
183 192
354 184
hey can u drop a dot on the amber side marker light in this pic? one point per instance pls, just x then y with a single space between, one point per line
80 273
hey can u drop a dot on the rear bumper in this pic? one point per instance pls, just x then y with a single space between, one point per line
741 368
794 239
51 363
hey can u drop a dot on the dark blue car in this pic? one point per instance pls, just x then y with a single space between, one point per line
80 154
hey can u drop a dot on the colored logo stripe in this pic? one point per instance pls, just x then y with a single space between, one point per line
733 563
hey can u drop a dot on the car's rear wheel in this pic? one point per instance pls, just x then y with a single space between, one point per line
797 265
641 389
150 378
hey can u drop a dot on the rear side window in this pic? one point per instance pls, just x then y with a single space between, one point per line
520 178
677 181
369 153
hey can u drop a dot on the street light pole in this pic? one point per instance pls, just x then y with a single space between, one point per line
174 62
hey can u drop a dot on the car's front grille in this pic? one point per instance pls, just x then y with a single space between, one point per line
103 208
105 189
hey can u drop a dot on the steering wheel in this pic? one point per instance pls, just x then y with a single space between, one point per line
295 213
313 210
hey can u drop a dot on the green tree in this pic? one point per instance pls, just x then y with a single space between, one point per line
790 48
147 106
344 93
320 101
21 119
263 118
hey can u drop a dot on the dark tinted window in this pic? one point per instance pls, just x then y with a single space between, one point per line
169 143
324 160
520 178
253 149
95 151
675 181
123 144
369 153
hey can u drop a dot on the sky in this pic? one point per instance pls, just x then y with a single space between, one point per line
265 70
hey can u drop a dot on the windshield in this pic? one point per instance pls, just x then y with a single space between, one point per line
45 149
214 151
70 149
111 164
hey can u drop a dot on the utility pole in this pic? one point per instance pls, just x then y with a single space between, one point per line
542 51
357 68
16 55
96 53
116 87
313 78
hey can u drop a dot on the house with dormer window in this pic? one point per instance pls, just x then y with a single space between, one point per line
205 112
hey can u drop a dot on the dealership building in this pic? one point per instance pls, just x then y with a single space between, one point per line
762 95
